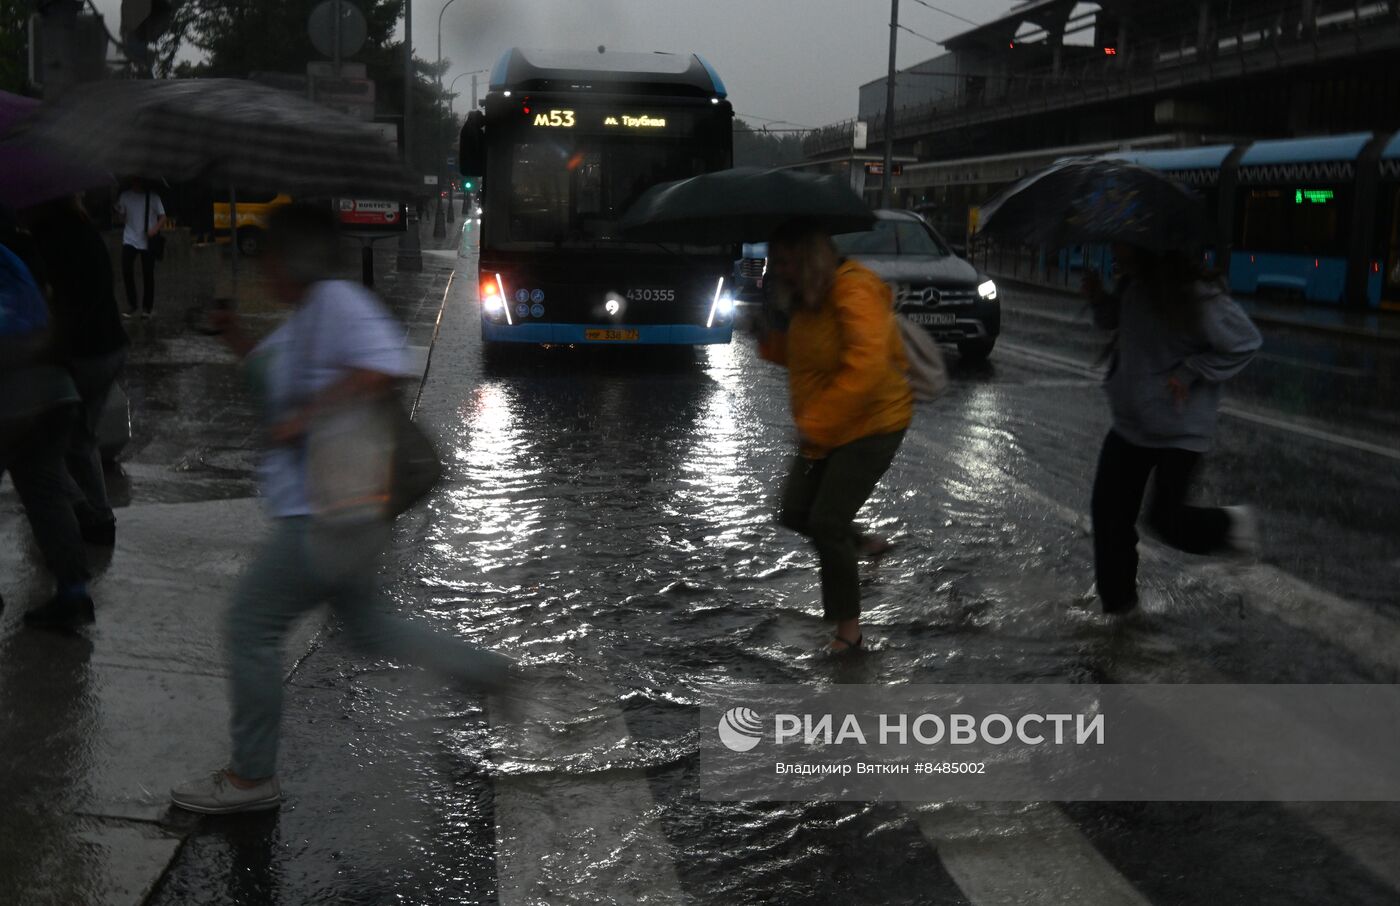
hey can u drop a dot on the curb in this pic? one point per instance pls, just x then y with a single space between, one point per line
1380 335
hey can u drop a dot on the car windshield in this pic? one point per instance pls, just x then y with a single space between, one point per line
892 237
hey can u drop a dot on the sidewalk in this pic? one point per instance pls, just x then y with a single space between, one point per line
98 726
1369 324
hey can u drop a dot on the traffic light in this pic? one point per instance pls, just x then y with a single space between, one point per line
468 185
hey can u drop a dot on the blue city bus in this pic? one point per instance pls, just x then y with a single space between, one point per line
563 145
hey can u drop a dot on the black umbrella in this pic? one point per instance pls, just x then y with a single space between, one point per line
227 132
1084 200
743 205
224 131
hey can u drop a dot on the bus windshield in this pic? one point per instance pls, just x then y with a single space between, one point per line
562 177
573 192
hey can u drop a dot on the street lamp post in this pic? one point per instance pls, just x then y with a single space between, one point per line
439 39
439 227
887 178
473 73
410 249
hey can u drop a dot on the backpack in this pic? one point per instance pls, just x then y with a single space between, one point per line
927 373
23 310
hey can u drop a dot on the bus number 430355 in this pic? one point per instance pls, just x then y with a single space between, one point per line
651 295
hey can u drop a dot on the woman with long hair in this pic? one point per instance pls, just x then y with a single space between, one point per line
1178 336
851 403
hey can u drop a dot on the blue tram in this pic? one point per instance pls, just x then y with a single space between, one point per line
1317 218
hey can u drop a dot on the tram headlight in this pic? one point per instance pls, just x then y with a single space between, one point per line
987 290
725 309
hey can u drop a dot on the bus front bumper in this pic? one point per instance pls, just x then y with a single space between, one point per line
606 334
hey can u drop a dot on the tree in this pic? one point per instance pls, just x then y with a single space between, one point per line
14 44
237 38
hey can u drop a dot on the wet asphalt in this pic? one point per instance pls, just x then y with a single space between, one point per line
607 516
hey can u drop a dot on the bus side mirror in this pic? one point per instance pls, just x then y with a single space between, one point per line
471 145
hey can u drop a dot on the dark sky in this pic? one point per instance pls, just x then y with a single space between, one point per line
794 60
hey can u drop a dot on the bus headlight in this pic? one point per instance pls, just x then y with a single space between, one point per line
715 304
725 310
987 290
493 298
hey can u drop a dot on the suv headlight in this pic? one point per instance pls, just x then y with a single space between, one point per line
987 290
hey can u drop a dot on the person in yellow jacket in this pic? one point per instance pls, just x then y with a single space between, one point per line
851 403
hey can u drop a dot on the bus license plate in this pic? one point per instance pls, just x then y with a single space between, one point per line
626 336
939 319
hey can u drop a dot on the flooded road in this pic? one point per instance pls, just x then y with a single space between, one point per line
609 519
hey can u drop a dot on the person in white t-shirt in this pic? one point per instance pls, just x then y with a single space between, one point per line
144 214
338 346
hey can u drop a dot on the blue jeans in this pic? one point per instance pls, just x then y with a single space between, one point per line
297 568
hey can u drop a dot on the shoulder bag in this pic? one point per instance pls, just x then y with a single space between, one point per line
155 243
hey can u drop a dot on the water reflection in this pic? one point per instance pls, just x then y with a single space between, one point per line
49 751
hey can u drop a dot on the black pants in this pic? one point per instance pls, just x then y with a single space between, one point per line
148 277
33 451
821 499
95 376
1119 486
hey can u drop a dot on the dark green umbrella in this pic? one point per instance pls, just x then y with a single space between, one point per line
743 205
1085 200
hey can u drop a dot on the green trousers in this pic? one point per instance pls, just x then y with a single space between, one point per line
821 499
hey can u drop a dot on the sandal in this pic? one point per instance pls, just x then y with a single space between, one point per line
850 646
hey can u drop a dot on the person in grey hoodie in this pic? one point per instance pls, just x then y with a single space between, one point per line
1178 337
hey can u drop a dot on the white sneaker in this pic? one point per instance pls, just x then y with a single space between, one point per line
216 794
1243 534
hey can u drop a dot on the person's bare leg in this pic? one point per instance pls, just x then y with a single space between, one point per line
872 547
847 635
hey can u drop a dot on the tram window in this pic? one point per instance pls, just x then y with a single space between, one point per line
1392 266
1274 221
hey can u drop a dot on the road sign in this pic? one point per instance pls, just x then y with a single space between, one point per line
352 30
359 213
353 97
429 180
